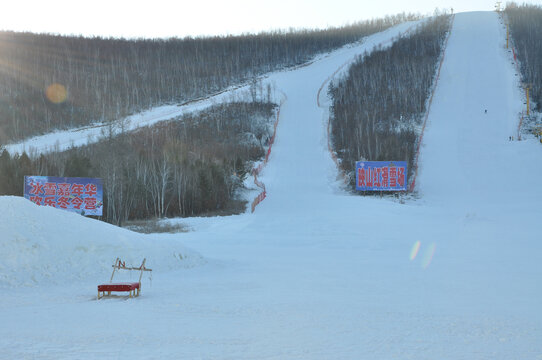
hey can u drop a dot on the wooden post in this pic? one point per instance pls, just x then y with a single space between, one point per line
142 269
117 261
507 35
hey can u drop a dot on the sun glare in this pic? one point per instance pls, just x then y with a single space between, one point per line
429 254
56 93
415 249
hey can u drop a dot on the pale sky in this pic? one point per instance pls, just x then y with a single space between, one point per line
168 18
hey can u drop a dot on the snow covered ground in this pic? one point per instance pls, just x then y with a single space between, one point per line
314 273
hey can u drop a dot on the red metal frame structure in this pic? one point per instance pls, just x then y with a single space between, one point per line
134 288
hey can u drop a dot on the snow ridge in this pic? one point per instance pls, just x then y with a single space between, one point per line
42 245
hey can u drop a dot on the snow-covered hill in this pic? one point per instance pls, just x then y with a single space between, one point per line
316 273
44 246
64 139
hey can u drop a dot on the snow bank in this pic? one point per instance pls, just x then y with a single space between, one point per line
46 245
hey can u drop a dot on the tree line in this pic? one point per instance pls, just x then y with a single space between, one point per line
378 106
192 165
103 79
526 31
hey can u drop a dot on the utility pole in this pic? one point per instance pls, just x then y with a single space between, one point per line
527 87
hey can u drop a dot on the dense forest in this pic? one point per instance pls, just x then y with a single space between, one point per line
378 106
188 166
526 31
55 82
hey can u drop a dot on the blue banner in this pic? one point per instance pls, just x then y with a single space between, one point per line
381 175
81 195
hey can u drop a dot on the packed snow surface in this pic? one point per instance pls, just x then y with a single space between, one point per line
314 273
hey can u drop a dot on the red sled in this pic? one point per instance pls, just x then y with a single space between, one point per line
134 288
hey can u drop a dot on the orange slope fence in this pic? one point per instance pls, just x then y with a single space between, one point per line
257 170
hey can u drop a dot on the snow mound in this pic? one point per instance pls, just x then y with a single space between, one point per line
46 245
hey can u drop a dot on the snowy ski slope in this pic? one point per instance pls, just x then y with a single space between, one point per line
316 273
467 151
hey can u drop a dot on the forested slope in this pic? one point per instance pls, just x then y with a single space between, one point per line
378 106
97 79
526 31
192 165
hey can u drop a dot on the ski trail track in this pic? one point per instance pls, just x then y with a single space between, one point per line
315 273
467 158
300 162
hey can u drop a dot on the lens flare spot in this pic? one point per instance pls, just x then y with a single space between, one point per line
415 249
56 93
430 252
